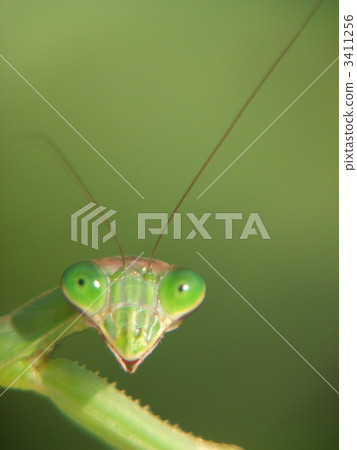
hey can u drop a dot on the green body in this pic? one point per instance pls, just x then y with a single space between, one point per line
28 331
135 307
83 396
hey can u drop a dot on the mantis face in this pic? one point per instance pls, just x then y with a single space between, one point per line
131 307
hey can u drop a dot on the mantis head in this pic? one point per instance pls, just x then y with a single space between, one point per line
132 307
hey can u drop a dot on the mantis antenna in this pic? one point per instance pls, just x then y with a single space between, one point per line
74 174
235 120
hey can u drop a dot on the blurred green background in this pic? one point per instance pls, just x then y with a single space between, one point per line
152 86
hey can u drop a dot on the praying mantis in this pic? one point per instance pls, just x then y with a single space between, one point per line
183 174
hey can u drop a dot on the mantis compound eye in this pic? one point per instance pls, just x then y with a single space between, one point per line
85 286
181 291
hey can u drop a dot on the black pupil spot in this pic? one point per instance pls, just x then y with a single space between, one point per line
81 281
181 288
